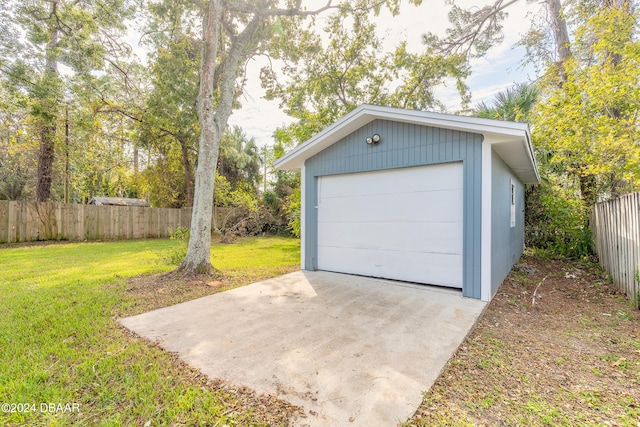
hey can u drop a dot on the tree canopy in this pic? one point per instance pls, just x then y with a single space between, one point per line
583 115
40 37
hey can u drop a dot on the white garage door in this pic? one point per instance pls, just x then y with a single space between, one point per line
402 224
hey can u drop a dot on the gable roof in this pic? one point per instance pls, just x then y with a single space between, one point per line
118 201
510 140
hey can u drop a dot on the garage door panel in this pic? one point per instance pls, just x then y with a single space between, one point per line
417 206
440 269
403 224
437 237
375 182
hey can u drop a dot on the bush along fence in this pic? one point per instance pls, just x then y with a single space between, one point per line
616 231
30 221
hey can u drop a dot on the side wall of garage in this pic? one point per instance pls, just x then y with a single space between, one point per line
403 145
507 222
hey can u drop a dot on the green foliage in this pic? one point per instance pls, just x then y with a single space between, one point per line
514 104
239 159
270 198
98 148
36 38
472 32
327 78
422 73
293 209
636 300
169 122
276 208
248 214
330 74
164 181
15 154
587 126
240 195
176 255
286 182
557 222
180 233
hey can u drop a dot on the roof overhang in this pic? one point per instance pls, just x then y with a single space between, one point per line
510 140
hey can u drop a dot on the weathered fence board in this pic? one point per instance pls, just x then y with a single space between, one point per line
30 221
616 229
4 222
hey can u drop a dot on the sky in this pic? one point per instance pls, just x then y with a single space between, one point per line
495 72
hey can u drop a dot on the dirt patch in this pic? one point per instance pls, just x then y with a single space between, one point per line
556 346
146 293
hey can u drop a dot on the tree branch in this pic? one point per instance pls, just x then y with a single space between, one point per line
113 108
294 11
11 74
472 30
228 72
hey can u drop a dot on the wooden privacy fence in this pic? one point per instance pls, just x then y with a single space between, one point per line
616 229
30 221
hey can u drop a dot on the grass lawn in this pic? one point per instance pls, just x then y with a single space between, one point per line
60 343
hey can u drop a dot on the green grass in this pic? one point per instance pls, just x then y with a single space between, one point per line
256 254
60 342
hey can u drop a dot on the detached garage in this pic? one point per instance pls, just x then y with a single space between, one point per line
415 196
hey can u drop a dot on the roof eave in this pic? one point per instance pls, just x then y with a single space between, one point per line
294 159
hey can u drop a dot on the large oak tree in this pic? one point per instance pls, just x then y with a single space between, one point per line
233 31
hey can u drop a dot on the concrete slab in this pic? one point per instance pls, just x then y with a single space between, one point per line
350 350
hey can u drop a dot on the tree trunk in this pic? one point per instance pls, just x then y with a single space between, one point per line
588 190
136 158
45 162
66 154
561 35
49 125
212 124
188 174
198 259
560 31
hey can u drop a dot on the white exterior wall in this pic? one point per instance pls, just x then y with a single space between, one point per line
303 216
485 293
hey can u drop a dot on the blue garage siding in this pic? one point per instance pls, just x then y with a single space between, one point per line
404 145
507 243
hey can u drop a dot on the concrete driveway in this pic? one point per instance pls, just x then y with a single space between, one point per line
350 350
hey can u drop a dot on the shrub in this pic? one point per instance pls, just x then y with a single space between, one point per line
557 222
249 215
292 209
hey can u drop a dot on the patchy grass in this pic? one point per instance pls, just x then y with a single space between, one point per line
570 359
60 343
